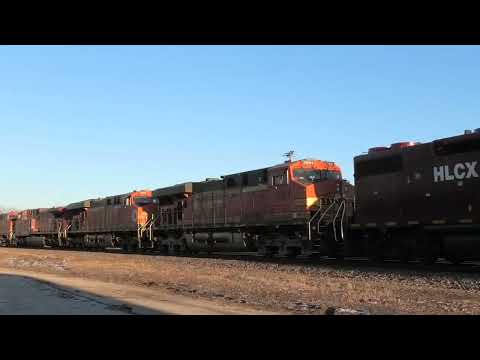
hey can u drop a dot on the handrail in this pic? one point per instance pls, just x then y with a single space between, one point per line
342 204
325 213
314 216
59 234
142 228
150 230
65 233
342 219
310 222
339 214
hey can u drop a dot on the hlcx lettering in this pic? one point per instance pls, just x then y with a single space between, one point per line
460 171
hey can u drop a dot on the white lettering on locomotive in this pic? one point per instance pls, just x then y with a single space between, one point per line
456 170
460 171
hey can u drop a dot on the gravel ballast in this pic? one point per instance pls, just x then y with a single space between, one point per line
284 288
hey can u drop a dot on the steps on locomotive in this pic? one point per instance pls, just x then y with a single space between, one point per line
328 240
326 245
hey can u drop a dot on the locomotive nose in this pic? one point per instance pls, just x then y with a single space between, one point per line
328 187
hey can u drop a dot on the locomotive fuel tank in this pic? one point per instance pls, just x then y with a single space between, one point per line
33 241
217 241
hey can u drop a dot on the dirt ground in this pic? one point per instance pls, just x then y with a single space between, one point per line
24 295
249 287
30 293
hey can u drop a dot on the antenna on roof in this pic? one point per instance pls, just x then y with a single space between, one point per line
289 155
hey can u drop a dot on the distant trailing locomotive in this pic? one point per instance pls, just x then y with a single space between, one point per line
410 201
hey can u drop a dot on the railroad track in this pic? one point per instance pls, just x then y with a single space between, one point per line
441 266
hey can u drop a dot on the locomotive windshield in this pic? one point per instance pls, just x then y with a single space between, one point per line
142 201
314 175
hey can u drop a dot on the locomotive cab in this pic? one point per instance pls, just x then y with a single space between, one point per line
322 181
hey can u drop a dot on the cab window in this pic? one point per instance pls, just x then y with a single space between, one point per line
315 175
278 180
385 165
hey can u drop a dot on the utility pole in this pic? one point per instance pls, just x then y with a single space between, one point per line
289 155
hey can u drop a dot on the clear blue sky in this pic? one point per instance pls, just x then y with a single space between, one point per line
87 121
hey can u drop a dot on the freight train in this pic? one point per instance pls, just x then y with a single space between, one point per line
410 201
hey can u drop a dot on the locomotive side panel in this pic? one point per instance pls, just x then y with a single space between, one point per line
454 177
4 225
234 206
379 188
24 226
420 199
95 220
110 219
47 223
279 205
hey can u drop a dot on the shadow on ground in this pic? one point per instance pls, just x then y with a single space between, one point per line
22 295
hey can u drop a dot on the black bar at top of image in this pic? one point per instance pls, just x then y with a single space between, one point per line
297 30
238 38
326 23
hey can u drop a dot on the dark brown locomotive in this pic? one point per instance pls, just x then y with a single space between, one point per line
420 200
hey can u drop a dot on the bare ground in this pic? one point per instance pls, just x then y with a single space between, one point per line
252 287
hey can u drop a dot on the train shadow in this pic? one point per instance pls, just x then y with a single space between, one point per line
24 295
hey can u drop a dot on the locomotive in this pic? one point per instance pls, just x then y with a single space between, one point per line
265 210
410 201
419 200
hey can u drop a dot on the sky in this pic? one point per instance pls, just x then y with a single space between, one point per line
80 122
